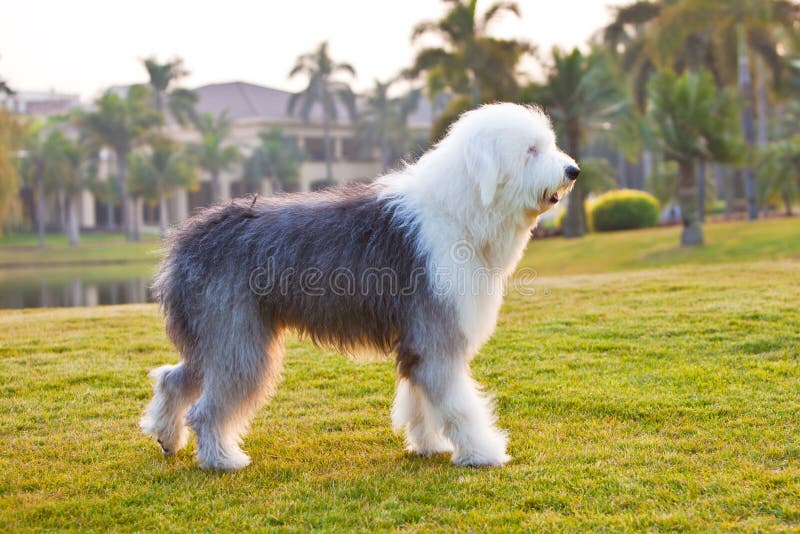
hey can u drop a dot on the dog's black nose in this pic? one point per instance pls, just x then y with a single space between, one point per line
572 172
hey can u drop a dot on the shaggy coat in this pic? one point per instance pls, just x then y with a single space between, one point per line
413 264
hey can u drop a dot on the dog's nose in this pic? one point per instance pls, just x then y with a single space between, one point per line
572 172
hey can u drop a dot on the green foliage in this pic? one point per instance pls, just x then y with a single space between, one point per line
322 89
213 153
157 172
624 209
383 122
276 158
779 172
10 132
178 103
470 62
442 124
693 119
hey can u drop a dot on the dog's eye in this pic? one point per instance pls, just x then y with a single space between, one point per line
532 150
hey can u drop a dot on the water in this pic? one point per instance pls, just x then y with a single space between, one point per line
64 287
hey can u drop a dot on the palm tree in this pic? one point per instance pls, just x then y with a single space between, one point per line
779 172
212 154
324 90
694 122
10 137
470 62
175 102
32 170
122 124
63 168
276 158
383 123
157 173
760 27
581 93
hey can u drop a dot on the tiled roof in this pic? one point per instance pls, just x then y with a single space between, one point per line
250 101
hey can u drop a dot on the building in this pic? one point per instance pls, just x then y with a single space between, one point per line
40 103
253 109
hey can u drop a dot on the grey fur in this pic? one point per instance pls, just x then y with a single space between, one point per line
236 276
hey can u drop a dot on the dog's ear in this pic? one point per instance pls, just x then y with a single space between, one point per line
483 166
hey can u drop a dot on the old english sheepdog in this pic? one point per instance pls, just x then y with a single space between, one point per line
413 264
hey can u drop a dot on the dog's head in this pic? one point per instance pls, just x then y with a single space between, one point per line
511 157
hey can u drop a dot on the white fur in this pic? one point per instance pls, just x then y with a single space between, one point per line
476 196
482 188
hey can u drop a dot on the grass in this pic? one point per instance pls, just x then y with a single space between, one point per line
660 247
661 399
21 251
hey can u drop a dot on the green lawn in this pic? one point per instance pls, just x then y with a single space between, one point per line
18 251
665 398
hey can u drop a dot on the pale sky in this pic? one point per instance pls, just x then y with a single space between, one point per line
85 46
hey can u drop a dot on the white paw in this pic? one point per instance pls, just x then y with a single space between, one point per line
438 445
231 461
480 459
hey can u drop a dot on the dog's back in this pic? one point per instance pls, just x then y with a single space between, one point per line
340 266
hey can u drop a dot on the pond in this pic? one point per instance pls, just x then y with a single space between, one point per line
75 286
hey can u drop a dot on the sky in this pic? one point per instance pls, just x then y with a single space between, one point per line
85 46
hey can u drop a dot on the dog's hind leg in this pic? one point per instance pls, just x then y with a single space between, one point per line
176 387
237 380
413 412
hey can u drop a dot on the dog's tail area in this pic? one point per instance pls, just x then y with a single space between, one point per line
175 389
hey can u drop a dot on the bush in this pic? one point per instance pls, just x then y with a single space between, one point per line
623 209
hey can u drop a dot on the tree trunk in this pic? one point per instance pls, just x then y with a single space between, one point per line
787 202
40 201
72 229
163 221
692 233
110 215
122 180
701 190
647 167
762 105
326 138
575 218
746 91
135 229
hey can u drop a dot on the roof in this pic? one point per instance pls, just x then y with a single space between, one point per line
244 100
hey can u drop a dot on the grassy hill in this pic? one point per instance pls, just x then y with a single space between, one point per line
663 398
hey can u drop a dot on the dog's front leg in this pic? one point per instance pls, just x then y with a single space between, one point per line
466 414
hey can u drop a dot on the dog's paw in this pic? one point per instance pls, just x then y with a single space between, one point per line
478 459
229 462
439 446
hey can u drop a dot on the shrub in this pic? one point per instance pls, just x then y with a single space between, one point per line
623 209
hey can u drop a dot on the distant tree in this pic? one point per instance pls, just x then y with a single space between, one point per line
169 101
779 172
10 137
213 154
323 89
32 169
470 62
383 122
581 93
122 123
276 158
751 28
156 173
64 170
694 122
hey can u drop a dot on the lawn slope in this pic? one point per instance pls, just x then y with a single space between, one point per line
663 399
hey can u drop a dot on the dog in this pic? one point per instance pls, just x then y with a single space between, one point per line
413 264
